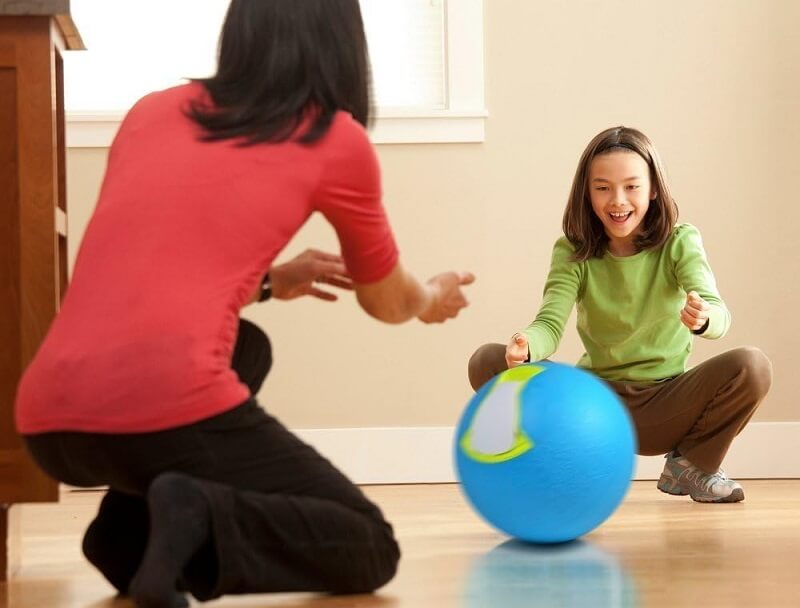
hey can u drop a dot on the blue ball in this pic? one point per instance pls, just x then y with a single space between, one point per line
545 452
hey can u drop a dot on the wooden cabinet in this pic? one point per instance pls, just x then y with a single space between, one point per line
33 218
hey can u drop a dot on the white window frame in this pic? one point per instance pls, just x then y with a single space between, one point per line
462 120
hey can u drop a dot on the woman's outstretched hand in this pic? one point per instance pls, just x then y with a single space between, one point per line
304 274
446 298
517 350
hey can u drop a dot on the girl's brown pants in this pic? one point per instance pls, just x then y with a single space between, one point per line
697 413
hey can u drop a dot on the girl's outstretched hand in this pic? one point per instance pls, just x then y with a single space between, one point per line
517 350
694 314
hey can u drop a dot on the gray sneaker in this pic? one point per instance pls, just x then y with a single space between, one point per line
680 477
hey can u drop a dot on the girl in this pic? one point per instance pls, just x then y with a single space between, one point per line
644 289
146 379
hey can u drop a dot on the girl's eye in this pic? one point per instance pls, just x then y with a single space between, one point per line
601 188
633 187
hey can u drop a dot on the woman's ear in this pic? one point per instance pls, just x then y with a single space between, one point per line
653 194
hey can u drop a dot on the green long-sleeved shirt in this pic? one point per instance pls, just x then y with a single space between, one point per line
629 307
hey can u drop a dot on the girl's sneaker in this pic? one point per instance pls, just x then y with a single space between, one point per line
680 477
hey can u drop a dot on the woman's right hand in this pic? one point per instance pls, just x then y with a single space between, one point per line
445 297
517 350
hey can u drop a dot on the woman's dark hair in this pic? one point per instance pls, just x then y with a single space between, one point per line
282 61
584 229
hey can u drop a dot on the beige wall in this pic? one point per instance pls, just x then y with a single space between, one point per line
713 83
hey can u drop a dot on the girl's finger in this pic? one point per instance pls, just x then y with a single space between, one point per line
698 306
694 312
695 301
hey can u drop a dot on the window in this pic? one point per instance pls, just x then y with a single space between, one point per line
427 64
405 39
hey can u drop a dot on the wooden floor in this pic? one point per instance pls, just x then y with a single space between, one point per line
656 550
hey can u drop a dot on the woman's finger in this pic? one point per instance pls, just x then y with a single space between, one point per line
322 295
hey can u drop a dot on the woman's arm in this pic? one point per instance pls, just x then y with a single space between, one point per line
396 298
399 297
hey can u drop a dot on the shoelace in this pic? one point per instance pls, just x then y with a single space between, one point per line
720 473
720 476
710 480
705 480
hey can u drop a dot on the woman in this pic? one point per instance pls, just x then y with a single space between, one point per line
146 379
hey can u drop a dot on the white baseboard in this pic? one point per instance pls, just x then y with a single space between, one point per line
765 450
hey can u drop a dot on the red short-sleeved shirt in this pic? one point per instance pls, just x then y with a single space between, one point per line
182 233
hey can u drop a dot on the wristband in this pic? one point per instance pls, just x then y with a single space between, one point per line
266 289
698 332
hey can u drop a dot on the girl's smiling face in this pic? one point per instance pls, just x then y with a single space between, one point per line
620 191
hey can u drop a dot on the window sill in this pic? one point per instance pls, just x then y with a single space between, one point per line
97 129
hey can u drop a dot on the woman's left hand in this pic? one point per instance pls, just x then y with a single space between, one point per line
303 275
694 314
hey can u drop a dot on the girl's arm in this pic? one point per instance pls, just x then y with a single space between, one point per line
693 274
560 293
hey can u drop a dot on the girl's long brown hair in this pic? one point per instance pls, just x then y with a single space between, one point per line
584 229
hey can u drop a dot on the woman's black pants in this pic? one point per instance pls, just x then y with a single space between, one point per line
283 518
